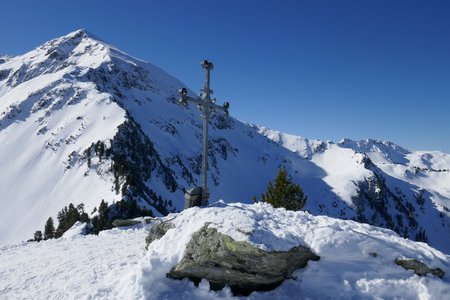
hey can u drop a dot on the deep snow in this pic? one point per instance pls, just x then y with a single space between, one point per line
115 265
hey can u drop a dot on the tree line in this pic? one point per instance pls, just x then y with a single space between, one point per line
102 219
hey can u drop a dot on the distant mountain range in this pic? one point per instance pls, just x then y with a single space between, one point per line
82 122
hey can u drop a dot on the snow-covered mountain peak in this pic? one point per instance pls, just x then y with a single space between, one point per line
67 43
70 54
368 145
297 144
386 150
81 121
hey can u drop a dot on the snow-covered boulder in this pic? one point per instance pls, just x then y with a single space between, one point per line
157 232
357 261
239 265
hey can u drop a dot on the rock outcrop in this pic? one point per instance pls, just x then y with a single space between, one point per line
418 267
157 232
125 222
239 265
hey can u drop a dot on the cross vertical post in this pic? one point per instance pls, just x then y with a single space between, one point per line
207 107
205 193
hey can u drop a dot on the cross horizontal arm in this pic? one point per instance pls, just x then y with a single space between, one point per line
205 104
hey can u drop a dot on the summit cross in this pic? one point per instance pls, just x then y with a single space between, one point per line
207 107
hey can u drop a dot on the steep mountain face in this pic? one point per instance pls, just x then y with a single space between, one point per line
81 121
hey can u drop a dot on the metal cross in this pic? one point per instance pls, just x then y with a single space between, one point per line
207 106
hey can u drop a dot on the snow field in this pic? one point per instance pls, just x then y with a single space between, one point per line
81 267
357 260
347 268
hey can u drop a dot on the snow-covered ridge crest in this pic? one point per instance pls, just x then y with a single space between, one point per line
4 58
386 149
371 173
78 43
297 144
74 53
357 260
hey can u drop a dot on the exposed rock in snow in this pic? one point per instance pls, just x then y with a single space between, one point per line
124 223
157 232
244 268
348 268
418 267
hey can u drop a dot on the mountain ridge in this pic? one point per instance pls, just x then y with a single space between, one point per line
63 102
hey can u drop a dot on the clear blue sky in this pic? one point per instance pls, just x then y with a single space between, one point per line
319 69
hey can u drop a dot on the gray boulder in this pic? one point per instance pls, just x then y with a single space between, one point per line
157 232
132 222
239 265
125 222
419 267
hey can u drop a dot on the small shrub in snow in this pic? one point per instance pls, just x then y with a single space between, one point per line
38 236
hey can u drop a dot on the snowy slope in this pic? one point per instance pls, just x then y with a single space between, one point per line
357 260
50 113
83 267
81 121
47 117
380 183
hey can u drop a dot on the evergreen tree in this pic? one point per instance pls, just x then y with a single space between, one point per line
69 216
72 216
83 216
284 193
101 221
38 236
61 222
96 225
49 229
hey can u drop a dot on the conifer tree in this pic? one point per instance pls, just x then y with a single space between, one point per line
83 216
72 216
284 193
95 224
49 229
101 221
62 216
69 216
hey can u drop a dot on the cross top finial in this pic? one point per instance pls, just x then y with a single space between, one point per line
207 65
